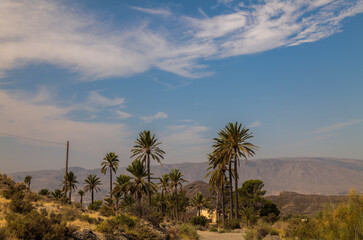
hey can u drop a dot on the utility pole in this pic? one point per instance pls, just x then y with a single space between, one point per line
65 177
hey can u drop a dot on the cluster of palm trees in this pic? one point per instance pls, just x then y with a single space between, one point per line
229 147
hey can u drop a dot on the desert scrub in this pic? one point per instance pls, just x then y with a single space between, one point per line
260 231
106 211
119 223
96 205
34 225
188 231
18 204
232 224
199 221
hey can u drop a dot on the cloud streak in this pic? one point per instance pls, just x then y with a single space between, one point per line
48 32
337 126
158 115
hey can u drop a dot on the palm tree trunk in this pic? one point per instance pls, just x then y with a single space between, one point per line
111 183
223 208
176 203
148 177
230 190
92 196
217 207
162 202
236 183
81 200
70 195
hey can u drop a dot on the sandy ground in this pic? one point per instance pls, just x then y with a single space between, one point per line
204 235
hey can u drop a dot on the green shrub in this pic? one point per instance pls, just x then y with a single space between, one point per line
88 219
13 189
126 221
199 221
69 213
95 205
213 229
188 231
44 192
232 224
260 231
3 234
107 211
19 205
36 226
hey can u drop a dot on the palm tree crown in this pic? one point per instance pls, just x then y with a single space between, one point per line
71 181
147 146
138 186
81 194
92 182
199 202
28 180
110 163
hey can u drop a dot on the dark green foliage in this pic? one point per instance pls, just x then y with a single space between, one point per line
88 219
188 231
107 211
36 226
126 221
260 231
44 192
96 205
253 205
213 229
12 189
232 224
19 205
199 221
3 234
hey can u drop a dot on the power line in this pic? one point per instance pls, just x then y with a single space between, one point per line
33 139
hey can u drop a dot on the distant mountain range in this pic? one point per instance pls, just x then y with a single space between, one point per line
326 176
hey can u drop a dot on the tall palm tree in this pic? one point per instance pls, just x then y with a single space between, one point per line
81 194
176 179
92 182
71 181
146 147
217 174
121 181
137 185
163 185
199 202
28 180
234 138
110 163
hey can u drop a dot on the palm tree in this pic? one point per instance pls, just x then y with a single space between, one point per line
234 142
217 173
176 179
71 182
137 185
92 182
57 194
28 180
110 163
164 185
199 202
81 194
146 146
121 181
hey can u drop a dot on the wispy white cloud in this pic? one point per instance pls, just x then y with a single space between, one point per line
96 99
255 124
158 115
162 12
48 32
51 122
338 125
122 115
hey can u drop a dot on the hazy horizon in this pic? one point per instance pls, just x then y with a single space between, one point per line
97 73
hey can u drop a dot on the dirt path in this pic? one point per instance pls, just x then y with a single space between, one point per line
204 235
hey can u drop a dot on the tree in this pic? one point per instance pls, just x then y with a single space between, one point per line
57 194
234 142
71 181
92 182
146 147
199 202
110 163
137 185
121 181
163 185
217 173
81 194
253 204
176 179
28 180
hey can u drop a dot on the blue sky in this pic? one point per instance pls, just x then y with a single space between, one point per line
98 72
